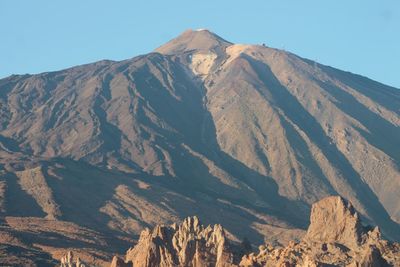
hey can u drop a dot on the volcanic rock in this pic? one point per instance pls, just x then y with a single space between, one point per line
187 244
69 261
373 257
118 262
333 219
335 237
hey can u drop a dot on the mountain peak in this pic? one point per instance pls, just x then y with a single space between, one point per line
193 40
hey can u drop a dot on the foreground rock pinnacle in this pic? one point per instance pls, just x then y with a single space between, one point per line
335 237
70 261
333 219
188 244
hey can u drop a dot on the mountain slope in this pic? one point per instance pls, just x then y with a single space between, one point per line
243 135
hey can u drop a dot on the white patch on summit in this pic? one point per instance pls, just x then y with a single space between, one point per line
202 62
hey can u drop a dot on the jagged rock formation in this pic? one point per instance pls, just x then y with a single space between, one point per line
187 244
333 219
69 261
335 237
244 135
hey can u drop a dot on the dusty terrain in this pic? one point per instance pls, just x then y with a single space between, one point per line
245 136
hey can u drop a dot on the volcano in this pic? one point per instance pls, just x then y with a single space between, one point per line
246 136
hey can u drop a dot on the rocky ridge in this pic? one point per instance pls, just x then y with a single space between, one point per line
335 237
187 244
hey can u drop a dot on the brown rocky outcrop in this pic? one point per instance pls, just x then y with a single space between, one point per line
118 262
187 244
70 261
333 219
373 257
335 237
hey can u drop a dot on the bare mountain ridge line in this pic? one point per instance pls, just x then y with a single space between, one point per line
243 135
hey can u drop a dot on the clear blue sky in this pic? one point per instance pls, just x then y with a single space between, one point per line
362 36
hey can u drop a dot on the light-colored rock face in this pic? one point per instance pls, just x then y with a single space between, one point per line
187 244
70 261
333 219
201 63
